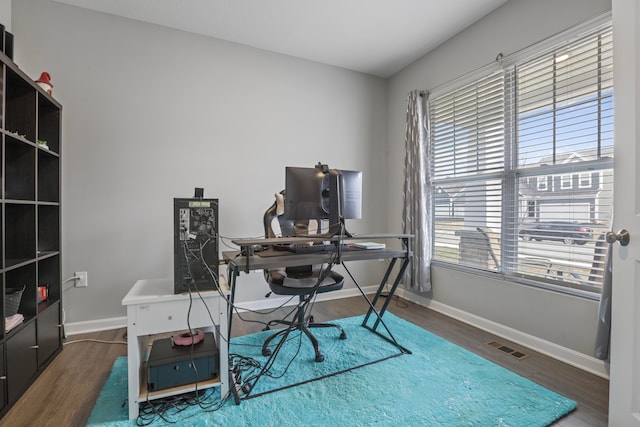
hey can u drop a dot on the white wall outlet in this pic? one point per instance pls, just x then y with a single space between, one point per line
80 279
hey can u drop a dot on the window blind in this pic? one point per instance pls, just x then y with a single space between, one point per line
523 169
564 120
468 164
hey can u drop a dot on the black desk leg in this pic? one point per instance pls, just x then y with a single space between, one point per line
396 282
379 291
379 314
230 304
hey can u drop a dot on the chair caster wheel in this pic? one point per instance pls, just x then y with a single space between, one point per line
266 352
320 358
311 319
343 335
266 328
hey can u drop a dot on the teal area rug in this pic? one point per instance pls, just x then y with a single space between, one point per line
439 384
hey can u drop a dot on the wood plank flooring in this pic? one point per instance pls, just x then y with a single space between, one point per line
65 393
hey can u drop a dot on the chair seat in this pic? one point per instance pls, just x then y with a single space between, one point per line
282 283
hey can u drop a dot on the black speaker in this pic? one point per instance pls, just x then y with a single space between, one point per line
195 248
175 365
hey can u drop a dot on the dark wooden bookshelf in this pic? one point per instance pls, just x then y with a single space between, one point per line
30 253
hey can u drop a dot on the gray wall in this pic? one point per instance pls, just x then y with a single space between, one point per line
150 113
564 320
5 14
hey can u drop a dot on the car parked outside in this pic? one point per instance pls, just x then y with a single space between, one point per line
564 231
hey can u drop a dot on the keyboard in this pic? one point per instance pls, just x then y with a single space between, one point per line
313 249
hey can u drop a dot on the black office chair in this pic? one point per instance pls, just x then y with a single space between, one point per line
301 281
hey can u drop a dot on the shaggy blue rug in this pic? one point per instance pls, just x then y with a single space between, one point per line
439 384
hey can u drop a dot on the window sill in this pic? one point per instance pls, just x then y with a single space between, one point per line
520 280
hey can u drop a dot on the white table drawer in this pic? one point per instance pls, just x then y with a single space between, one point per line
166 316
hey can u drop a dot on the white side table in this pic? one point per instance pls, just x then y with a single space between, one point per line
153 308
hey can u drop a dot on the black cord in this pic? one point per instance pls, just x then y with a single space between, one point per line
265 370
163 408
307 304
168 408
233 306
398 301
307 308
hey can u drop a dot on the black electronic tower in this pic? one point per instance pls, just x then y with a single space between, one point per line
195 244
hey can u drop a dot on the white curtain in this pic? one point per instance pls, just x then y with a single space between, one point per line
417 203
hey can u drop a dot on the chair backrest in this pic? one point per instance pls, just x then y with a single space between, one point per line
289 228
286 226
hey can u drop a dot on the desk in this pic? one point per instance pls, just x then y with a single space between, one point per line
238 263
153 308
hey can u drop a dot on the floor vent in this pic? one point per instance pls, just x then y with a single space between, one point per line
515 353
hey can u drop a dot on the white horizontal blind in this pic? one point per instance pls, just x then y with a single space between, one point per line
467 134
522 161
564 119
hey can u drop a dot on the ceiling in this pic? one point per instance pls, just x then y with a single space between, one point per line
378 37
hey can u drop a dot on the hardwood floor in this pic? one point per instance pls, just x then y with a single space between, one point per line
65 393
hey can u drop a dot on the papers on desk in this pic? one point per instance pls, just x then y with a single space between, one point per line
13 321
369 245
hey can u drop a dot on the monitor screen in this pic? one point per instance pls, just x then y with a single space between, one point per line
303 194
323 193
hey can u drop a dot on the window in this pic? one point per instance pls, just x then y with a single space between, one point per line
584 180
525 158
542 183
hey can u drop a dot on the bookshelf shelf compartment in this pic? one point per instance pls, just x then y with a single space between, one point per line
24 277
49 276
48 124
20 164
20 233
48 177
20 106
48 229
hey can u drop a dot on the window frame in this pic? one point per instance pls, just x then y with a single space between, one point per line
512 173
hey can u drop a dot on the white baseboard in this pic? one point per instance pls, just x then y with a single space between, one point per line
75 328
558 352
571 357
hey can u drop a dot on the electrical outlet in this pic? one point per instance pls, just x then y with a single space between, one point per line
81 279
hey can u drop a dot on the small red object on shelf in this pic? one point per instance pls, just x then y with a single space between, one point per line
44 292
45 82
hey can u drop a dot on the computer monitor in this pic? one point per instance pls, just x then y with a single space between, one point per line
304 194
323 193
351 194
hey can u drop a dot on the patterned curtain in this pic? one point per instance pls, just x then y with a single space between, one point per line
603 332
417 203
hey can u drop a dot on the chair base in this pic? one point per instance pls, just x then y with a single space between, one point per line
305 328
